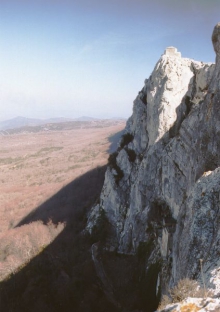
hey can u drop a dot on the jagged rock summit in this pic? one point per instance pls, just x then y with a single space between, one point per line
172 51
162 186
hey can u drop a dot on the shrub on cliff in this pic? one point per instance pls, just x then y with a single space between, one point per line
112 160
184 289
126 139
113 164
131 155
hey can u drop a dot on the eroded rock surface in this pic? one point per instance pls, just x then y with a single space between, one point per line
163 185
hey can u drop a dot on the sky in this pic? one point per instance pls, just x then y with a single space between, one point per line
91 57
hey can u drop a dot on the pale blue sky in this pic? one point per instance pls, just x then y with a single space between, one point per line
74 58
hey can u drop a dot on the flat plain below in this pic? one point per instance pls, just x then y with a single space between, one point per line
35 165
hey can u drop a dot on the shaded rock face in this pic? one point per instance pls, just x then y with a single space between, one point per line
164 184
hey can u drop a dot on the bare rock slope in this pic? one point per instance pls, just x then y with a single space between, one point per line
162 186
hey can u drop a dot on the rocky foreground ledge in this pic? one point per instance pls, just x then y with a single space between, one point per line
194 305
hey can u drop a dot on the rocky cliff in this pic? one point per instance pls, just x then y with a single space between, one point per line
162 186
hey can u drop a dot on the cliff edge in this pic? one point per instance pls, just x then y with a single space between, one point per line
162 186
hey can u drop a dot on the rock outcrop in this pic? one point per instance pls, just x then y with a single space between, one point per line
162 186
194 305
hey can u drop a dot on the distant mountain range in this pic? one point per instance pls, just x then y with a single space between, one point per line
19 122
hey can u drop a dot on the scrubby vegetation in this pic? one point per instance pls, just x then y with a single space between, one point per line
61 276
34 166
185 288
112 162
50 266
126 139
131 154
45 257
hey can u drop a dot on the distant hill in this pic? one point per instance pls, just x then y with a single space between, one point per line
85 118
52 125
19 122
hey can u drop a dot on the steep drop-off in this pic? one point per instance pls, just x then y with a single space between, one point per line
162 186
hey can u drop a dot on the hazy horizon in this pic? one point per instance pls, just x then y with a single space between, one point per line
60 117
90 58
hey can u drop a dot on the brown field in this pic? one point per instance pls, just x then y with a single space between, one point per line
50 178
33 167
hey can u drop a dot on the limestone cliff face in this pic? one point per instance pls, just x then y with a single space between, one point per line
163 184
